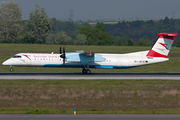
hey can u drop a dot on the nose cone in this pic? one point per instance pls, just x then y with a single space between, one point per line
7 62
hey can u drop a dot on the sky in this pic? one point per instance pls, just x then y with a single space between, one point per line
103 9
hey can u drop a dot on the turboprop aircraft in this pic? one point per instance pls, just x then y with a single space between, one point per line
86 60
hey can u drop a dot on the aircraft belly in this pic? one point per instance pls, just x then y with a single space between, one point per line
90 66
112 65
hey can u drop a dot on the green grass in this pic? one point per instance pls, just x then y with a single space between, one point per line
8 50
90 96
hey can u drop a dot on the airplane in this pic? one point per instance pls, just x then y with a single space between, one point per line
85 60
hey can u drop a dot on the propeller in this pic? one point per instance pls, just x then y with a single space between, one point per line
63 55
60 50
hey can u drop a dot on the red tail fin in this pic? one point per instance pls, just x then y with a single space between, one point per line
163 45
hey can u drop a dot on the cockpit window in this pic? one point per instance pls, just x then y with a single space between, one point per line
17 56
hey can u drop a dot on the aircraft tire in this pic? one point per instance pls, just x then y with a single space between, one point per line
11 69
84 71
88 72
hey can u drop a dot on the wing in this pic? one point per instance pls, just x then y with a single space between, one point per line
84 57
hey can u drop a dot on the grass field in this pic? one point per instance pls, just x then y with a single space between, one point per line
90 96
115 22
8 50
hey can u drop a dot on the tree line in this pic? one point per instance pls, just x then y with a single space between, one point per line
35 30
40 29
144 32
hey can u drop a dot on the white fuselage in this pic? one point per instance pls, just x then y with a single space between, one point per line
109 60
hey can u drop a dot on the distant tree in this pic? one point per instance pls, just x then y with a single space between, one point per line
136 35
63 39
38 26
53 20
137 23
97 35
144 42
150 22
166 20
120 42
172 21
10 22
130 43
178 44
51 39
81 39
89 33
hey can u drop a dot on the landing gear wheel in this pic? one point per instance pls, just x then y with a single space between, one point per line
11 69
88 71
84 71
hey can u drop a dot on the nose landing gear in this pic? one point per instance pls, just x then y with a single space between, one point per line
11 69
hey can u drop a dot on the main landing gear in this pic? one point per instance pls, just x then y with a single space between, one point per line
86 70
11 68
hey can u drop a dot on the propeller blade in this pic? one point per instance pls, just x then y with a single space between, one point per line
63 60
64 55
60 50
64 51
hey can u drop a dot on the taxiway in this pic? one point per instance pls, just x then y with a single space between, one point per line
93 76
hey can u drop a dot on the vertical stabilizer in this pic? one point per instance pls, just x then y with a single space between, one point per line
162 45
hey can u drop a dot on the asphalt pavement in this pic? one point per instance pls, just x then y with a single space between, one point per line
88 117
80 76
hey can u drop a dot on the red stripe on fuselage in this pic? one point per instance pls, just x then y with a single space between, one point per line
27 56
152 53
